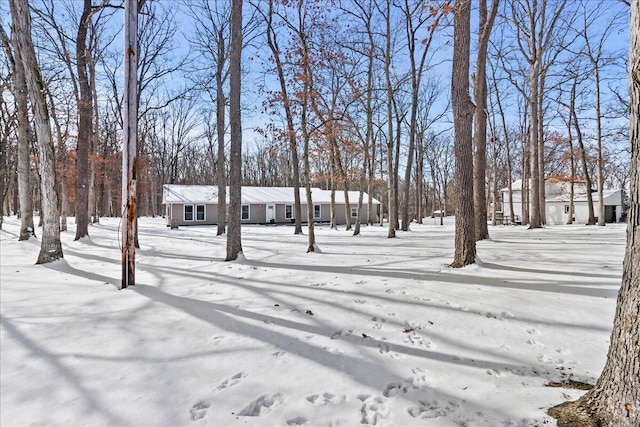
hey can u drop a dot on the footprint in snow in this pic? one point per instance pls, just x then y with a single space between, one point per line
374 410
427 409
262 405
394 389
326 398
199 410
232 381
279 353
418 340
297 421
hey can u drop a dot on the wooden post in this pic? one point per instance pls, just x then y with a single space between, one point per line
129 137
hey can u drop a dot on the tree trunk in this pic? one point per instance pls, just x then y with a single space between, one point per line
389 89
596 78
571 155
234 233
64 202
85 107
363 183
541 180
535 220
480 132
51 247
585 169
221 167
27 228
463 110
129 207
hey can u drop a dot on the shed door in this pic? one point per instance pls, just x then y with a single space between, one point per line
271 214
609 214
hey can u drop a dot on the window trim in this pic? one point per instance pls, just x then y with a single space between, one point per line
242 213
184 212
354 212
319 211
204 212
567 208
291 216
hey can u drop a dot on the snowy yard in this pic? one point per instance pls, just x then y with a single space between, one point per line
371 331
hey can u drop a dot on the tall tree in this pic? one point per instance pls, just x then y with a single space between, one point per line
129 144
85 122
51 247
463 110
535 24
480 132
391 178
418 19
20 95
211 40
595 51
615 399
234 233
272 42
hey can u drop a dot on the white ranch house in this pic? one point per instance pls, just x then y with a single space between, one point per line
198 205
557 202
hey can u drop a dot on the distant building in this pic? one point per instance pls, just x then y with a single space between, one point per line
198 205
557 195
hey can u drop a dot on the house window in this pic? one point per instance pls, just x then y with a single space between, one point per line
245 212
566 209
354 212
317 212
288 212
188 212
200 216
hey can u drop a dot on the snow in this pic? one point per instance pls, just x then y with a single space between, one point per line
371 331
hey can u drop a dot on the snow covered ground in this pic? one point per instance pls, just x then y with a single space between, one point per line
371 331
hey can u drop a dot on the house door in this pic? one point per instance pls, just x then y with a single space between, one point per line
271 214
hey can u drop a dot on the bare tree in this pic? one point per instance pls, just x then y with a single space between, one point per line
418 19
595 52
234 233
85 122
480 131
129 145
463 110
27 228
535 23
211 39
51 247
272 42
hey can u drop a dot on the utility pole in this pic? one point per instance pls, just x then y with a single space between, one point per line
129 138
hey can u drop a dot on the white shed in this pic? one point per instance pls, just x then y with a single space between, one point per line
557 196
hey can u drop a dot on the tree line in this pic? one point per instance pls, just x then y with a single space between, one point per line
342 94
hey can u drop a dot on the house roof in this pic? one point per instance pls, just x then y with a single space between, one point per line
208 194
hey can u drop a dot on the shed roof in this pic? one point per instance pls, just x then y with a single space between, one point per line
607 196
